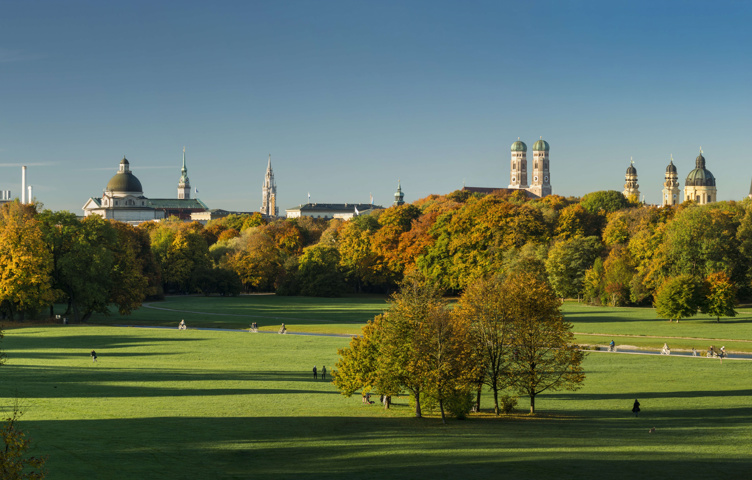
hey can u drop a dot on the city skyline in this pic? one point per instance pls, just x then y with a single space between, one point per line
350 97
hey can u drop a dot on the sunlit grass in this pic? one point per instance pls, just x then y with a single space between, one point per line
205 404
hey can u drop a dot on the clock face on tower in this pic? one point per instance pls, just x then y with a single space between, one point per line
545 179
535 179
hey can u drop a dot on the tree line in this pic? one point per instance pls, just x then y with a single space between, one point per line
601 248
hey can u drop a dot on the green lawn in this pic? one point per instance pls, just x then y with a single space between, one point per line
203 404
303 314
641 327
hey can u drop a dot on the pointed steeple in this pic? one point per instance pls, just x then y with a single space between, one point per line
184 184
269 192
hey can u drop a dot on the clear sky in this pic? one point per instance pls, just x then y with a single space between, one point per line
350 96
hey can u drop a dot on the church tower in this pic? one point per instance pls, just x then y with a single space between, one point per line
184 185
541 184
671 185
269 193
399 197
631 188
518 172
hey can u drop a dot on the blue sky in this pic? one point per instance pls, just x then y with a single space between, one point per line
350 96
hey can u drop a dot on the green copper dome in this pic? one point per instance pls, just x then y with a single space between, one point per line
700 176
124 181
540 146
519 146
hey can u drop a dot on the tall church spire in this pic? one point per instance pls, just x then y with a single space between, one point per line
184 184
269 192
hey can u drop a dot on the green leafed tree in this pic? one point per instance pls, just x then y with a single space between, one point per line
567 262
679 297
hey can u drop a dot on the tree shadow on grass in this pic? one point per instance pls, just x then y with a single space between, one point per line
102 382
335 447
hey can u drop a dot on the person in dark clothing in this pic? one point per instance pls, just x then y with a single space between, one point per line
315 372
636 408
94 356
323 372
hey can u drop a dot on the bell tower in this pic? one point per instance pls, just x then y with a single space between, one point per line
518 172
269 193
184 184
671 185
631 188
541 184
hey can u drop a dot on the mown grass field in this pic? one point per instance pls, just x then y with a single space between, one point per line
171 404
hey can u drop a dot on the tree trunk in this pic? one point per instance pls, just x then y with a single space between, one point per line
417 405
496 401
477 398
441 407
387 401
532 404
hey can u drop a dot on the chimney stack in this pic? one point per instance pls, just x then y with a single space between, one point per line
23 184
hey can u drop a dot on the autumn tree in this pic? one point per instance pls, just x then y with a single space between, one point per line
486 303
25 261
720 297
15 464
544 357
357 366
679 297
444 347
401 360
256 260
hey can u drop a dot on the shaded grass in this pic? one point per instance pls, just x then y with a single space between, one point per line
199 404
343 315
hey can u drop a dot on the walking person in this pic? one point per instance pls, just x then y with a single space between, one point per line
323 372
315 372
94 356
636 408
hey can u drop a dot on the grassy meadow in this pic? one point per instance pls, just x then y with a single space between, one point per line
169 404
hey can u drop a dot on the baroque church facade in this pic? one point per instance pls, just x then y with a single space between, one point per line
123 199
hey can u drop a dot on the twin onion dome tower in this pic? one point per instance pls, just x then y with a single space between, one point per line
698 187
540 184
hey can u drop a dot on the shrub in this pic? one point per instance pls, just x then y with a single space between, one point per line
507 403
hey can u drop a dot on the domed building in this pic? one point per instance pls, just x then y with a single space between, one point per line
631 188
700 183
123 199
671 185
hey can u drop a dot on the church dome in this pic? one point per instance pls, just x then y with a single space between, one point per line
700 176
540 146
671 168
631 170
124 181
519 146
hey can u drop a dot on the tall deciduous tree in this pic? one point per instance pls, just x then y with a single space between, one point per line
401 360
25 261
720 296
544 357
357 367
679 297
487 303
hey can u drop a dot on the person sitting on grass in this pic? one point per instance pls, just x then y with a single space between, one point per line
282 329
